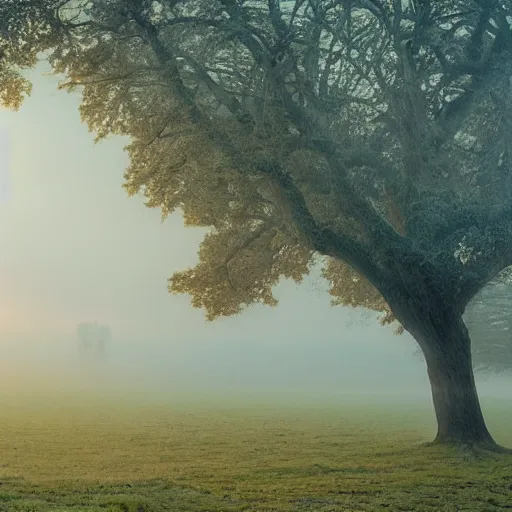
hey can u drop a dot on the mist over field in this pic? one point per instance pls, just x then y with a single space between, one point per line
254 369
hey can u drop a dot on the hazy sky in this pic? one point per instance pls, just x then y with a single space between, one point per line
74 247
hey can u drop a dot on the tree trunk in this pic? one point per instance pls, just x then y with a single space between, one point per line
459 415
446 345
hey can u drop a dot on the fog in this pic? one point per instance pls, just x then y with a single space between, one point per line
75 248
322 368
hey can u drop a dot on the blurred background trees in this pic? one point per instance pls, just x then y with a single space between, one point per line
93 339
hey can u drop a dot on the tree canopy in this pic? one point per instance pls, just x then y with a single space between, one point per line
374 133
25 31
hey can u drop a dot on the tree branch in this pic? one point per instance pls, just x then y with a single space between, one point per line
322 239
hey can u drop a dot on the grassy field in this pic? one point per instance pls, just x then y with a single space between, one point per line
154 453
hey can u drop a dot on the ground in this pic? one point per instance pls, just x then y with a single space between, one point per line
149 453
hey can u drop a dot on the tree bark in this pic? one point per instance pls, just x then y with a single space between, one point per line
459 416
446 345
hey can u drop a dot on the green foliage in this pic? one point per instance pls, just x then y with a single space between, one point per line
25 31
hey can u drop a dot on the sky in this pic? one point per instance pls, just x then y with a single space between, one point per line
74 247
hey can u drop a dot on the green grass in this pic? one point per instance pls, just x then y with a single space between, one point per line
149 453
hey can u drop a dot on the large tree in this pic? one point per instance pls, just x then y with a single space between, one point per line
371 135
